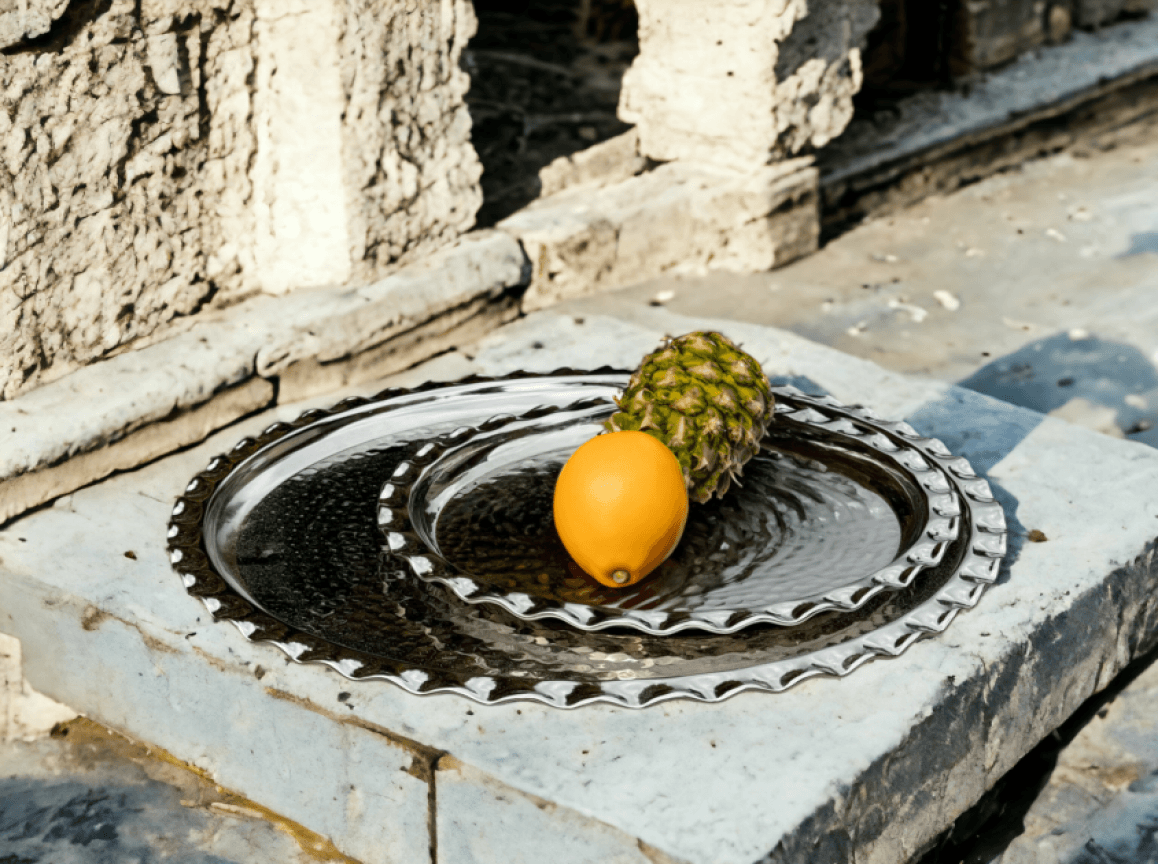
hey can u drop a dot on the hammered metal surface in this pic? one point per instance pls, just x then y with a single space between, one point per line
826 518
280 537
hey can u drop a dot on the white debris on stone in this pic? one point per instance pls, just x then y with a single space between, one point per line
741 82
1054 234
949 301
917 314
175 155
607 162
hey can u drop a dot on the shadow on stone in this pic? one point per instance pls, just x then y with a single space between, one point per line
70 822
1140 243
801 382
1060 372
984 432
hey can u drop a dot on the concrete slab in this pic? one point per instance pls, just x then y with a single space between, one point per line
869 768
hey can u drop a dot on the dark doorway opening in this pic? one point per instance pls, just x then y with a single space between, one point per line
545 81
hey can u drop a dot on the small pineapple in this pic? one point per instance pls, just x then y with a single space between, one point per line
707 400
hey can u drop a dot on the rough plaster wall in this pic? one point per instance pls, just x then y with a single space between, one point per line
744 81
100 238
407 130
161 155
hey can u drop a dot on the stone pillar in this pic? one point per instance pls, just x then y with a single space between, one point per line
158 157
738 82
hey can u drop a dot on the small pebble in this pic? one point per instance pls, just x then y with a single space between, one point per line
886 257
1017 325
1055 234
1077 333
1136 401
949 301
1036 536
916 313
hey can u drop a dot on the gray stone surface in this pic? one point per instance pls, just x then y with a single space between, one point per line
870 767
1096 13
610 161
1038 286
174 155
261 338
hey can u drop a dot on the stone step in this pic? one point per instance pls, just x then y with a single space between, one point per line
870 767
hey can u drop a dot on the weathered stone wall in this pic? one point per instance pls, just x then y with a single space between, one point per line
161 156
744 81
21 19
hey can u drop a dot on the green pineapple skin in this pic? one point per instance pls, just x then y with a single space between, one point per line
707 400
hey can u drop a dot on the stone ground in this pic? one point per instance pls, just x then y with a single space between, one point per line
1038 286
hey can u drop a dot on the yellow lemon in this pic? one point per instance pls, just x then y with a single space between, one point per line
620 505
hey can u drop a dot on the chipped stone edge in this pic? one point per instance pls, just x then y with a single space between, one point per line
987 723
680 217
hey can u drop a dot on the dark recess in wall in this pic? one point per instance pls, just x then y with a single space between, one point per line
545 78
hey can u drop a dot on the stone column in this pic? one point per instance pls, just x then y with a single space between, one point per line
161 157
738 82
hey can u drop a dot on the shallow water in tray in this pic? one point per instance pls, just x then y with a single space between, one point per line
794 529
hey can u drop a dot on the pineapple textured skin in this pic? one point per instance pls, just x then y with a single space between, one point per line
707 400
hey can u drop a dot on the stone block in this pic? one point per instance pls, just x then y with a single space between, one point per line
680 217
164 156
868 768
482 819
932 142
1095 13
985 34
744 81
602 164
